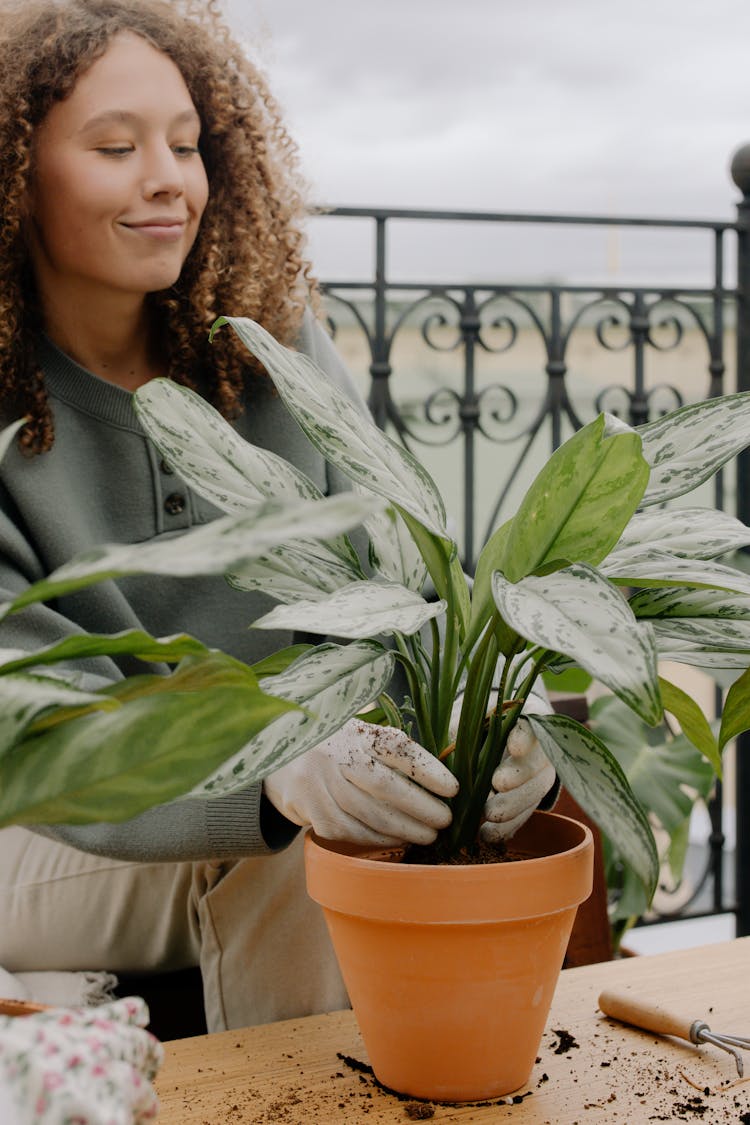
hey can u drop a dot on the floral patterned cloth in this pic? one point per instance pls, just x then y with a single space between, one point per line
79 1066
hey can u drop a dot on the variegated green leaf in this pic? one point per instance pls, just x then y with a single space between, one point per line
689 623
296 571
158 745
704 634
685 448
234 475
679 602
210 455
212 548
393 552
575 611
660 568
693 533
361 609
684 651
340 431
594 778
24 697
331 683
578 505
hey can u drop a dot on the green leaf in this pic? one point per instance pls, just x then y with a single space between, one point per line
576 612
132 642
279 661
332 683
570 681
579 504
695 726
592 775
685 448
158 745
340 431
361 609
211 548
735 717
665 771
482 602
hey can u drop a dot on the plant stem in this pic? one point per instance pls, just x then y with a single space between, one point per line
419 693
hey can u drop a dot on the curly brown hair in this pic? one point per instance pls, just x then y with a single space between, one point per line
248 258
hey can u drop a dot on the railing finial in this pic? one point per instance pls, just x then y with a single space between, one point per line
740 169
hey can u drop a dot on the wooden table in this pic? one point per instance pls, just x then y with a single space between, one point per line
308 1071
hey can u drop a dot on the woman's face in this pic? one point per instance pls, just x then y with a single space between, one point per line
117 185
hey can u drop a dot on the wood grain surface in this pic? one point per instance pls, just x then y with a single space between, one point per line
590 1070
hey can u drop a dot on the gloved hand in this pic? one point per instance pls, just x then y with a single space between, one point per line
520 781
523 777
366 784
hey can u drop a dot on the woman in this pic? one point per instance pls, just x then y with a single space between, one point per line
149 186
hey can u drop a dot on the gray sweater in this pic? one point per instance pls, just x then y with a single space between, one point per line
103 481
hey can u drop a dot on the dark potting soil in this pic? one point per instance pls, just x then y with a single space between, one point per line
566 1041
412 1102
431 855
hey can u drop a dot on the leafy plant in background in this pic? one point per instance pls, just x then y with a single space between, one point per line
549 591
668 777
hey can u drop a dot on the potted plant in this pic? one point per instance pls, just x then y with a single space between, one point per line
550 591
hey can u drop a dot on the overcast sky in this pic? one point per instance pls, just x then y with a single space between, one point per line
513 105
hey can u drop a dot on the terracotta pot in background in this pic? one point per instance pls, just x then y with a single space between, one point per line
451 970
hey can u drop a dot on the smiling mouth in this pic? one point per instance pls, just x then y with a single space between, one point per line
167 229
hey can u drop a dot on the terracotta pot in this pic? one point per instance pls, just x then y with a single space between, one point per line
20 1007
451 969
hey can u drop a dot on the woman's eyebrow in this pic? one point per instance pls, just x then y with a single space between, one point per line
124 117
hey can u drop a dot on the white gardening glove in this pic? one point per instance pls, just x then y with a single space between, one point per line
366 784
523 777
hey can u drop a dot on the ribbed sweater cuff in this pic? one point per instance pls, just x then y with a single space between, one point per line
246 823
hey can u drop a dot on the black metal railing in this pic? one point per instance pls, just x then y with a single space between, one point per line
498 412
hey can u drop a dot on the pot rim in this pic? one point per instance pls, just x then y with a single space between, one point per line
359 882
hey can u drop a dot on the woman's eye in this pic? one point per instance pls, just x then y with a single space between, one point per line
185 150
115 150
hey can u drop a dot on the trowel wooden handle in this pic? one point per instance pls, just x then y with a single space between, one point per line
644 1013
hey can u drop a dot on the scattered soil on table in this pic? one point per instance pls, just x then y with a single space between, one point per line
566 1041
419 1111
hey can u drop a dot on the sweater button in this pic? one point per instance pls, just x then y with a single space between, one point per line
166 467
174 503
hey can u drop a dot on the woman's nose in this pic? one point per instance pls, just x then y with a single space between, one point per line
162 174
